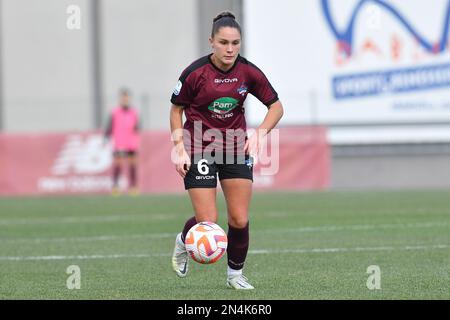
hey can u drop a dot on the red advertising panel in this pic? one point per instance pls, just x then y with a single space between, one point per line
77 163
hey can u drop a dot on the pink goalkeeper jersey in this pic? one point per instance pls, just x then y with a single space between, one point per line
124 129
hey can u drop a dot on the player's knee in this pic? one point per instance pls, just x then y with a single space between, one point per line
238 222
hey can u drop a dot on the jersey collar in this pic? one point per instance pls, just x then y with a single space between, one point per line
220 70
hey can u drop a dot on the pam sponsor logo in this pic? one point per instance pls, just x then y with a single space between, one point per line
223 105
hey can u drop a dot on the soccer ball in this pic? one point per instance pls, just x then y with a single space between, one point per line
206 242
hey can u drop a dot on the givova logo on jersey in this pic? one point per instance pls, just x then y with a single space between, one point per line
223 105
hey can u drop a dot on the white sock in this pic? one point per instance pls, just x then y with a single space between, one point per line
233 273
180 241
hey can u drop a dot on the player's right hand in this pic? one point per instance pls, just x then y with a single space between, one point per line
182 162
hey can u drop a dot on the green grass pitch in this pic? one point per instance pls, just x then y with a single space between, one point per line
302 246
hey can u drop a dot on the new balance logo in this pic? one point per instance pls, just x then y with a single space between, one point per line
80 156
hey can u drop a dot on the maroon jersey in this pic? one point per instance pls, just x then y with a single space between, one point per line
215 99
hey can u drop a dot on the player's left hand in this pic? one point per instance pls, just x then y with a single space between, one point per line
252 145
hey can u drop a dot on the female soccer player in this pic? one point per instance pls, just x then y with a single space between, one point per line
211 93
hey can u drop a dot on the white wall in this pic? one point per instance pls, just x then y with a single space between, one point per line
147 44
48 68
46 78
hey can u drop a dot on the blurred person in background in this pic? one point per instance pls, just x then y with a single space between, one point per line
123 130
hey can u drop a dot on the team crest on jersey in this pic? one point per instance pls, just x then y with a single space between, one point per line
249 162
223 105
242 90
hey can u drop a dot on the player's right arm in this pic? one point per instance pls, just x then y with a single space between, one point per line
182 160
182 97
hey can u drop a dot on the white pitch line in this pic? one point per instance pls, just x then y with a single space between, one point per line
93 219
356 249
82 257
260 251
325 228
368 227
90 239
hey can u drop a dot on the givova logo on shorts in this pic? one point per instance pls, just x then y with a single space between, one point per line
223 105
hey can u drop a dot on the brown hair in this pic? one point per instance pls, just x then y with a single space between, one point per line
224 19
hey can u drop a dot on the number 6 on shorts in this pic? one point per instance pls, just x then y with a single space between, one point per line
202 167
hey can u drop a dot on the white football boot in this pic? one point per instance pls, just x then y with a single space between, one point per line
239 282
180 257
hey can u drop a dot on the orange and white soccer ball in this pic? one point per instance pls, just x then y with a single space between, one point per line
206 242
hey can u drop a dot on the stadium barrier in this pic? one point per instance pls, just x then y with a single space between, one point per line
80 163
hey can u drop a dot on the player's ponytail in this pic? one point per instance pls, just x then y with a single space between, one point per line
224 19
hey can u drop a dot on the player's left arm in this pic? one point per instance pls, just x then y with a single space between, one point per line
273 116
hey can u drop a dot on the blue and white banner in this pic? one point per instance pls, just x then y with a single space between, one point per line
353 61
394 81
